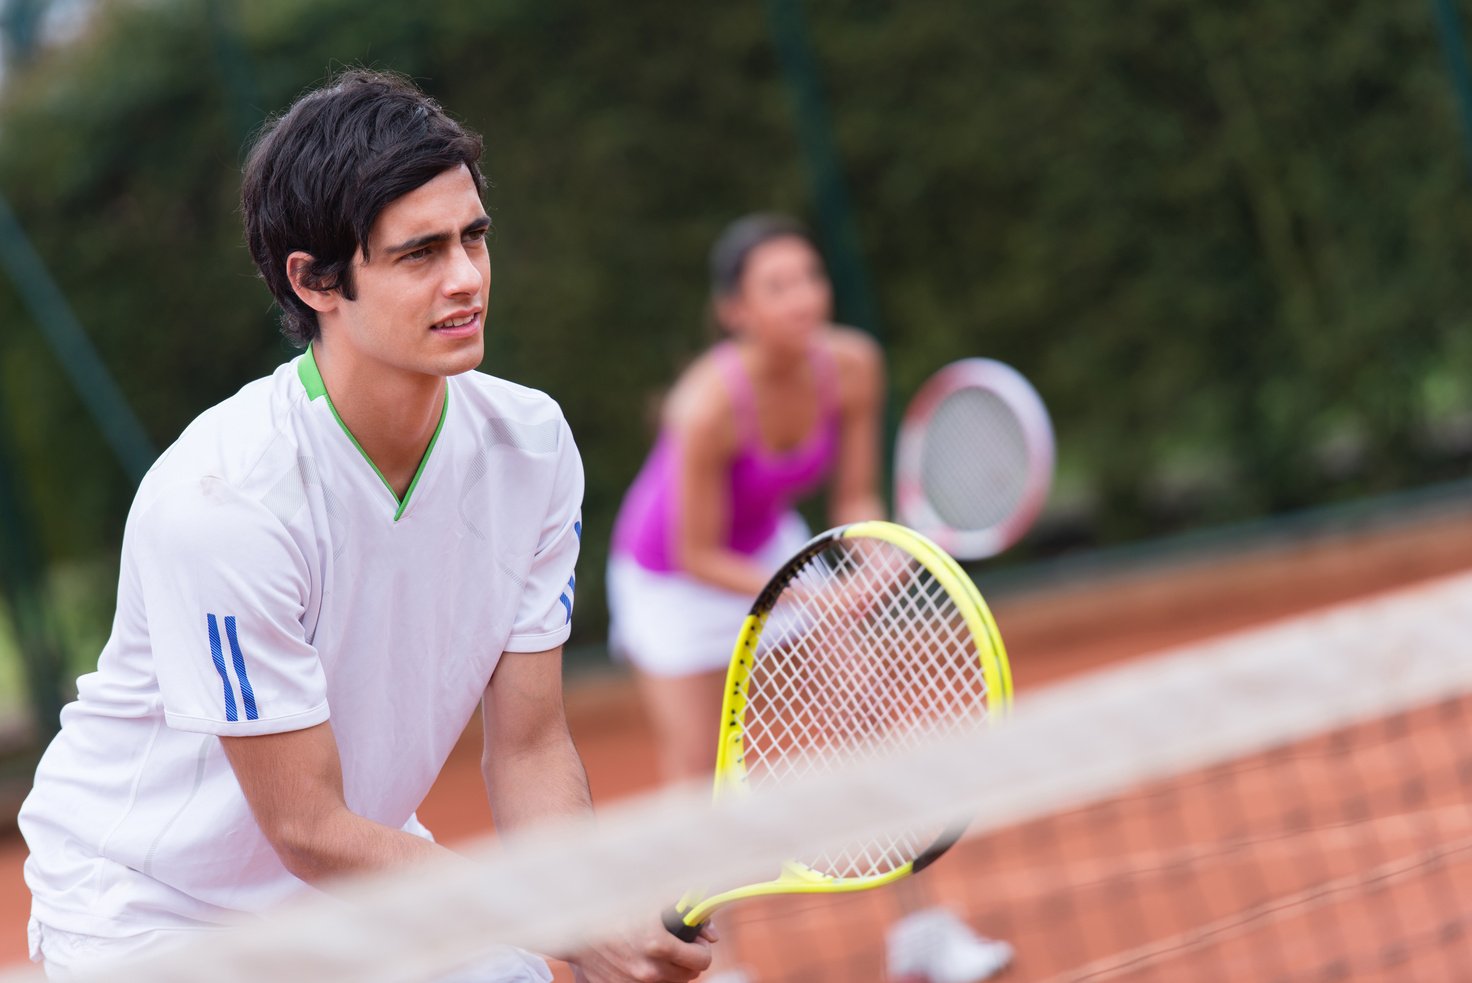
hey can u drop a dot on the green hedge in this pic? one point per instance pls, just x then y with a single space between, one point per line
1230 248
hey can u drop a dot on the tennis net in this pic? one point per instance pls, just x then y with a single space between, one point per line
1287 803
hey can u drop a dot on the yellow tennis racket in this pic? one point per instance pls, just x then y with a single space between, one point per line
869 641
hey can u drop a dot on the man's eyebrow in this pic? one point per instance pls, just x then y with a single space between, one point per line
418 242
434 238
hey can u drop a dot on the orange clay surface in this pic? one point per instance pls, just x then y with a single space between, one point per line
1050 632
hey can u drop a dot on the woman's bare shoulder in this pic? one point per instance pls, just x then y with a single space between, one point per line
854 348
699 404
859 358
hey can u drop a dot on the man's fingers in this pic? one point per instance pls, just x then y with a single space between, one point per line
692 956
656 957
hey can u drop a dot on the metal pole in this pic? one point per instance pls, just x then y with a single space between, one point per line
835 214
64 333
1454 48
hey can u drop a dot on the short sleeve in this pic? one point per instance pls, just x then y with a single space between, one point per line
225 589
544 616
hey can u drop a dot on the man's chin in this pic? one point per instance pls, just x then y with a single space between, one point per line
462 360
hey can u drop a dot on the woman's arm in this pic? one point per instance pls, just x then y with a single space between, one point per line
855 490
700 420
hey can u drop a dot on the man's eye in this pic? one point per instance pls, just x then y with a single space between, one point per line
477 235
418 253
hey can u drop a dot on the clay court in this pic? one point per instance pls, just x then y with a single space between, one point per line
1067 625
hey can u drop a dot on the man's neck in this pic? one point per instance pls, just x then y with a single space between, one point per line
391 413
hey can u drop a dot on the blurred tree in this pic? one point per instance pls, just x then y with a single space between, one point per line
24 590
1227 243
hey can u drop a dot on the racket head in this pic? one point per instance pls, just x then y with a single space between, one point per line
974 458
869 641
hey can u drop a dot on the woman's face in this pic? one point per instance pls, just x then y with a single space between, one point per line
784 296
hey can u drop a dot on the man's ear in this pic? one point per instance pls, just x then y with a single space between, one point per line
298 265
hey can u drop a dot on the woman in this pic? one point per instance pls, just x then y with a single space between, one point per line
786 403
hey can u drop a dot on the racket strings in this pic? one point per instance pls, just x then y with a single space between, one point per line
864 655
974 461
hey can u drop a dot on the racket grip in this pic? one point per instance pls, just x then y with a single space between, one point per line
674 921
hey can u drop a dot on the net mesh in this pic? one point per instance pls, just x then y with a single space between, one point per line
1290 803
1346 856
974 461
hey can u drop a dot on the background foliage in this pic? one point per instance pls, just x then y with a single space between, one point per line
1228 243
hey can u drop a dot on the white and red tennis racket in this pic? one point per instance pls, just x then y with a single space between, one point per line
974 458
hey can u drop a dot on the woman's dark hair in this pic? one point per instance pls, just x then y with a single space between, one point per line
320 174
729 254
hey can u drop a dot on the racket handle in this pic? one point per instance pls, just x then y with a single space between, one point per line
674 921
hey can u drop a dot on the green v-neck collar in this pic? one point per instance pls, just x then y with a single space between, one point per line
311 377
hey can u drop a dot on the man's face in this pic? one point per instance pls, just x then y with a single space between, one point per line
421 294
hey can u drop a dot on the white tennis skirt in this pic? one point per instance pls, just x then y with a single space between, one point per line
670 624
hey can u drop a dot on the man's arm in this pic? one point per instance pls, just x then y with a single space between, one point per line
293 782
532 771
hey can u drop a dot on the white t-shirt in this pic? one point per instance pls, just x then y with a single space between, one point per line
270 581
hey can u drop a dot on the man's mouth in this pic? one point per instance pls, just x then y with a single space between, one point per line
461 322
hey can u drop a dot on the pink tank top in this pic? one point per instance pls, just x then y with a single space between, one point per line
763 484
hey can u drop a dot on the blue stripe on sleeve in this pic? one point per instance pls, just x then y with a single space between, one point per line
567 603
577 527
219 656
247 695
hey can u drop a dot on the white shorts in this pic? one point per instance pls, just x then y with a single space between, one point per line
68 955
670 624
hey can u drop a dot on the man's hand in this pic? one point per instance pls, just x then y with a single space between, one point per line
653 956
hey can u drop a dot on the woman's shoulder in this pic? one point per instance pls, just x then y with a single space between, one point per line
852 347
700 400
855 354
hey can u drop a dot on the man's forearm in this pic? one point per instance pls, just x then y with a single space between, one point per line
541 781
345 843
293 782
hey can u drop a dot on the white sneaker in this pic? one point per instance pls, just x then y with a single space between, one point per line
727 976
934 946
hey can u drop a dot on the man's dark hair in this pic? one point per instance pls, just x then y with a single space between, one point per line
320 174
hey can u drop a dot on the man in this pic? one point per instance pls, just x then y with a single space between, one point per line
326 573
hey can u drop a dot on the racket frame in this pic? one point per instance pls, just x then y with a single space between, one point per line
913 508
731 775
